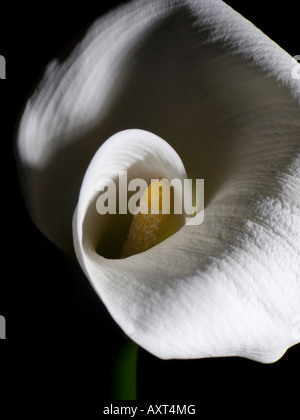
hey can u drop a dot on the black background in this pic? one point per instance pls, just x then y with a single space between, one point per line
60 340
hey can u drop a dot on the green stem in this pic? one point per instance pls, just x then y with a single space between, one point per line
125 374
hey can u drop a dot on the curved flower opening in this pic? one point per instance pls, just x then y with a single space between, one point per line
135 154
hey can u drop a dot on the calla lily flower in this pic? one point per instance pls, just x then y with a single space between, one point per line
180 89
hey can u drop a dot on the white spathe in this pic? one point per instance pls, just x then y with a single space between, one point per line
221 94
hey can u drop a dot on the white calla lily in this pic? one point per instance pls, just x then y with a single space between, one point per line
222 95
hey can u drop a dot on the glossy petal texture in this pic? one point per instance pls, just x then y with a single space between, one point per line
222 95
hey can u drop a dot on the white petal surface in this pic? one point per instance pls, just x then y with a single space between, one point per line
222 94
